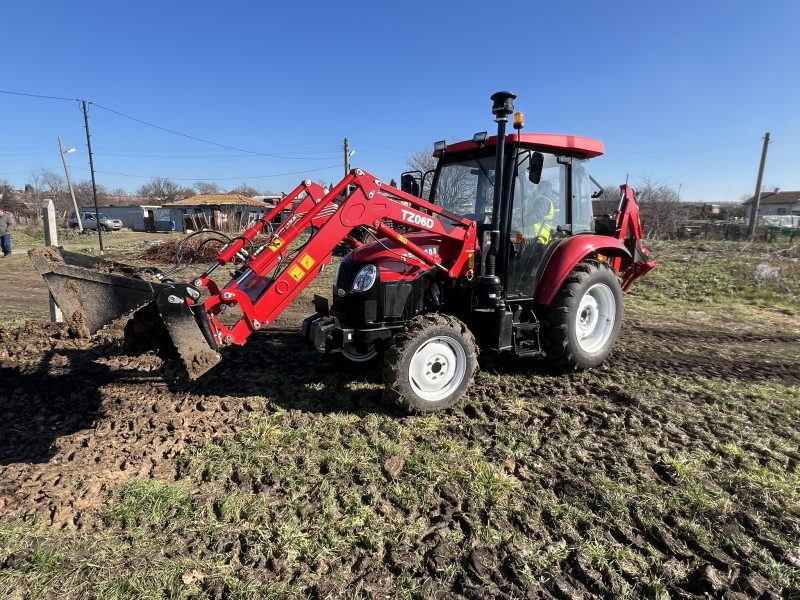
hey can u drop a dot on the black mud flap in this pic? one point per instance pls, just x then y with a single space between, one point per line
188 332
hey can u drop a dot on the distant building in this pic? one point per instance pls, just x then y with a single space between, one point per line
775 202
141 217
221 212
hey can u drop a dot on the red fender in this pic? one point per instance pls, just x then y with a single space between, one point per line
567 255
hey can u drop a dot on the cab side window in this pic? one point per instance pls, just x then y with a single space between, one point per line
537 212
582 214
546 200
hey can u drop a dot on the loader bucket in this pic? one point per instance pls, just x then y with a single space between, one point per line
93 292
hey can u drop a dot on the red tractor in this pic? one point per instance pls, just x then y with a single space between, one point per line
505 254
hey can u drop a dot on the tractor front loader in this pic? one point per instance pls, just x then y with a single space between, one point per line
505 255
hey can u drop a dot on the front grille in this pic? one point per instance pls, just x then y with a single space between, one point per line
347 274
354 308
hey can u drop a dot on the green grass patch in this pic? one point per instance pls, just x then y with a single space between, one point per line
152 502
722 273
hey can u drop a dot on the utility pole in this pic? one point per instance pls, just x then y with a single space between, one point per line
346 148
69 183
757 196
91 168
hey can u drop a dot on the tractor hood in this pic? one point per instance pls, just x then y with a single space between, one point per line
395 262
404 285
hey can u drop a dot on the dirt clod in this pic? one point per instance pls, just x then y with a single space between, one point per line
78 326
393 466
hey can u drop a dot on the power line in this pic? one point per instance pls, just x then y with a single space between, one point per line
633 157
205 156
124 155
39 96
30 171
380 154
192 137
720 166
26 154
213 178
159 127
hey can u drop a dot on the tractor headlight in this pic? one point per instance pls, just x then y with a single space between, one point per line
365 279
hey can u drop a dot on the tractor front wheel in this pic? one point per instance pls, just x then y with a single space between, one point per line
584 320
431 364
358 356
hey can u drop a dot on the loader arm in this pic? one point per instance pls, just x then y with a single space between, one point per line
313 194
267 282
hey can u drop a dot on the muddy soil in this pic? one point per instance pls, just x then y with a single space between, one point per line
81 417
675 349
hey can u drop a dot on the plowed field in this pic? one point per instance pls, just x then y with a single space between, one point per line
672 471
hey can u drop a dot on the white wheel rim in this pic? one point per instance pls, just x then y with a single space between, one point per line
594 320
437 368
353 355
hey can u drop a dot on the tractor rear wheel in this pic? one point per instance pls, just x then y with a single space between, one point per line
584 319
431 364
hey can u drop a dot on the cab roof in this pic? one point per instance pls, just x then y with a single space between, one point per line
568 144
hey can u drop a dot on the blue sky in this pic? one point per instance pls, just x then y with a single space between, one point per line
681 92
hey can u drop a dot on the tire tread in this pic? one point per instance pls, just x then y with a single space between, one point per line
555 324
401 343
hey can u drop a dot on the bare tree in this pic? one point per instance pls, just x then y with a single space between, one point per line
118 197
206 187
607 202
35 186
660 207
83 194
422 160
54 186
245 190
7 195
5 188
164 189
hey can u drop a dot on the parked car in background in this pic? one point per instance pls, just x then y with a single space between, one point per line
91 221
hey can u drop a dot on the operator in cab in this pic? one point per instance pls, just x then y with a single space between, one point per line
538 213
534 229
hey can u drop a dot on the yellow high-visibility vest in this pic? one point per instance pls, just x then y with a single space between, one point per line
541 231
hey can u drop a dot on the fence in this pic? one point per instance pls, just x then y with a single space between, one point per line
735 230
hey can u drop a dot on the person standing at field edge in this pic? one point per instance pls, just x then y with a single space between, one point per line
6 225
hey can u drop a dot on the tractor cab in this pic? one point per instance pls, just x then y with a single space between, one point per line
547 198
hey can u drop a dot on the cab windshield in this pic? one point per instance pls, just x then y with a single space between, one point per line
466 187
